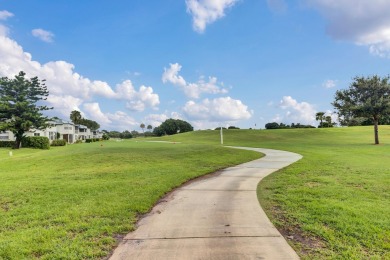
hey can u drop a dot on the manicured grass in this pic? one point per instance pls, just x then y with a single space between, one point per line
70 202
335 202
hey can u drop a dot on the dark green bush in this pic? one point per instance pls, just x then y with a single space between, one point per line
59 142
88 140
37 142
7 143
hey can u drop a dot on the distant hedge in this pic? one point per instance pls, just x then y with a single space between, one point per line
90 140
37 142
7 143
59 142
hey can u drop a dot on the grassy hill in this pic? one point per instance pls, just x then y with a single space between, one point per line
70 202
335 202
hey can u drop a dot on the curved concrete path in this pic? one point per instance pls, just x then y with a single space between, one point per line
213 218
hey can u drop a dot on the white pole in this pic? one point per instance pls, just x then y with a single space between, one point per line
221 136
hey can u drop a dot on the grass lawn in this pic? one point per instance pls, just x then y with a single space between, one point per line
335 202
70 202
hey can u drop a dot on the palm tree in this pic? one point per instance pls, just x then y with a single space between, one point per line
75 117
320 117
150 127
142 127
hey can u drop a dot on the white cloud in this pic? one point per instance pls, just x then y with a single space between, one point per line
43 35
207 11
223 109
296 112
119 120
360 21
137 100
3 30
4 15
94 112
329 83
172 75
191 90
71 91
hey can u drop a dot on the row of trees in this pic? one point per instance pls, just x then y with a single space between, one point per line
325 121
76 118
274 125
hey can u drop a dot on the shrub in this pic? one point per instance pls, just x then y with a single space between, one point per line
88 140
37 142
79 141
59 142
7 143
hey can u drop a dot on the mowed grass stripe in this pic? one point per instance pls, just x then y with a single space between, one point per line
70 202
335 202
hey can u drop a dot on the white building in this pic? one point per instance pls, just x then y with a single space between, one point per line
59 129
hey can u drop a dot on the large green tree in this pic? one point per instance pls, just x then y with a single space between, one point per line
20 106
320 117
367 97
173 126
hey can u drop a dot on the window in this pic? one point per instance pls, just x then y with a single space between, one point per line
37 134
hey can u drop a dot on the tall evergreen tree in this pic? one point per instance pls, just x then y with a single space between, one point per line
19 111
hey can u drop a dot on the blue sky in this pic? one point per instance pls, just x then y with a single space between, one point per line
210 62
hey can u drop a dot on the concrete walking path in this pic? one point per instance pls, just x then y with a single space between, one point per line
213 218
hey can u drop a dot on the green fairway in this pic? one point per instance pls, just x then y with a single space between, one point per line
335 202
70 202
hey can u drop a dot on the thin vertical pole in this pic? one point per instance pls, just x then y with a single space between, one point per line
221 136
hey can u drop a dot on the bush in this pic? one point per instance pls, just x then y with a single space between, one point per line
88 140
37 142
59 142
7 143
79 141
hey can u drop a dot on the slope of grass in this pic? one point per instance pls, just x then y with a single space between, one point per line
69 202
335 202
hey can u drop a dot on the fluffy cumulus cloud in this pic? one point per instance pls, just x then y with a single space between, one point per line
137 100
224 109
70 90
295 112
157 119
360 21
192 90
121 120
205 12
43 35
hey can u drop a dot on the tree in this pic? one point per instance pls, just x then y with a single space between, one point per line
320 117
19 111
142 127
328 122
93 125
75 117
150 127
126 135
367 97
272 125
174 126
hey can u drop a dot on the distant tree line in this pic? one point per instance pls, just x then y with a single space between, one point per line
230 127
275 125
